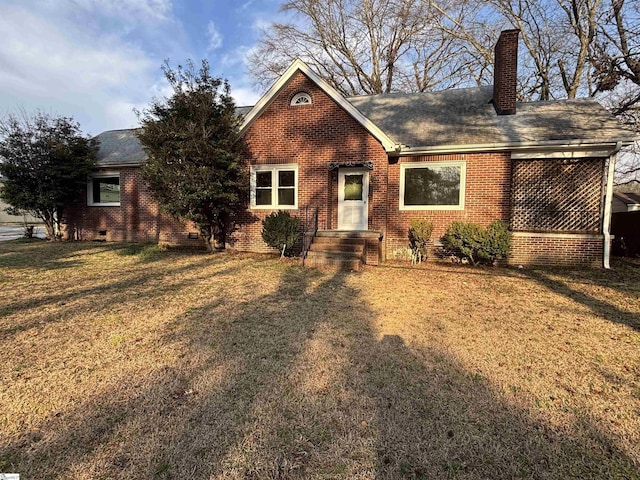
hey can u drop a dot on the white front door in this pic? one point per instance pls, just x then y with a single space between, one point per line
353 195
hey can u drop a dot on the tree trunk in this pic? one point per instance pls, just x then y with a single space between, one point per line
207 236
49 224
58 226
218 243
50 230
220 233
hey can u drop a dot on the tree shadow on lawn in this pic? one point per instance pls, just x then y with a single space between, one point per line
67 254
46 255
296 383
150 283
436 419
626 281
184 418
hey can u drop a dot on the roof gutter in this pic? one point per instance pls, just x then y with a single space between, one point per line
550 145
119 165
606 222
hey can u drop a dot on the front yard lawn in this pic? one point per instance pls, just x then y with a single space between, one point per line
131 362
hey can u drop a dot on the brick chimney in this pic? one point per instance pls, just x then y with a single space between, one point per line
505 72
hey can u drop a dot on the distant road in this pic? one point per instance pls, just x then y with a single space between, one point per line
12 232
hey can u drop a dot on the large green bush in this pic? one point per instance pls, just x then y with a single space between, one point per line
280 230
419 234
463 240
496 244
469 241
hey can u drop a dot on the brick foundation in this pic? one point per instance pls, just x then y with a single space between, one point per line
557 249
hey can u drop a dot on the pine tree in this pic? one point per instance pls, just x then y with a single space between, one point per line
195 169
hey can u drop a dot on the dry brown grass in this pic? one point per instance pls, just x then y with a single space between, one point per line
128 362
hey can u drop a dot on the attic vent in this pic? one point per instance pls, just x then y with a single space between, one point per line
302 98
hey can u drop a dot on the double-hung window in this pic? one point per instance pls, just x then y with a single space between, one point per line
103 189
432 185
274 186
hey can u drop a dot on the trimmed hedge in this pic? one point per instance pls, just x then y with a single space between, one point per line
469 241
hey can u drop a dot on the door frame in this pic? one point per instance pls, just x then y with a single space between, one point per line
365 198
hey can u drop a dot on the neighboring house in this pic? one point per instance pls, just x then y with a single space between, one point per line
625 224
364 167
625 202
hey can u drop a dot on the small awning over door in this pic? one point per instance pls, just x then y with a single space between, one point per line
336 165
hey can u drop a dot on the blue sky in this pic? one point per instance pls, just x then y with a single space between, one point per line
97 60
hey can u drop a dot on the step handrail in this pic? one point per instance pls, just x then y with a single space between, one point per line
310 228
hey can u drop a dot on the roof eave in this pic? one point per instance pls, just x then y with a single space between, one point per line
298 65
549 145
118 165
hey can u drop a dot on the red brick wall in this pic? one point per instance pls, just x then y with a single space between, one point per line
505 74
556 249
137 219
487 196
311 136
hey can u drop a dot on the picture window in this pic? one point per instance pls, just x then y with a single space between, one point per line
432 185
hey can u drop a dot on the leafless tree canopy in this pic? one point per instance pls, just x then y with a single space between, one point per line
569 48
361 47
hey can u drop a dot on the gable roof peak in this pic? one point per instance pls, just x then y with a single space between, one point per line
299 66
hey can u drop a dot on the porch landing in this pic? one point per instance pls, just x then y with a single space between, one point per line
344 249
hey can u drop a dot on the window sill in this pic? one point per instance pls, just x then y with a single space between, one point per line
272 207
431 208
113 204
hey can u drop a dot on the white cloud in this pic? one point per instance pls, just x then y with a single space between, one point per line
71 71
120 113
215 38
138 11
244 96
246 5
233 58
262 24
97 60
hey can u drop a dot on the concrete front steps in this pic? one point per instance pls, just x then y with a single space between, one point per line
336 249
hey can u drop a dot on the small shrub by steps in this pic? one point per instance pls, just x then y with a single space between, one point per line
280 230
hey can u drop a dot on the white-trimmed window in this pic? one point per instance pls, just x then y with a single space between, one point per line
274 186
301 98
103 189
432 185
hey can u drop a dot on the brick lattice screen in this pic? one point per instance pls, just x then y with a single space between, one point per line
556 195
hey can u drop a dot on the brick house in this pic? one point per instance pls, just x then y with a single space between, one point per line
357 170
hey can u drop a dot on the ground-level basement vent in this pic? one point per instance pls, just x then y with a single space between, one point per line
550 195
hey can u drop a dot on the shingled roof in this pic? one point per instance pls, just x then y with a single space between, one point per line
120 147
466 117
443 119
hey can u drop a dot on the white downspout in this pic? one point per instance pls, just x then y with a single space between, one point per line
606 222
